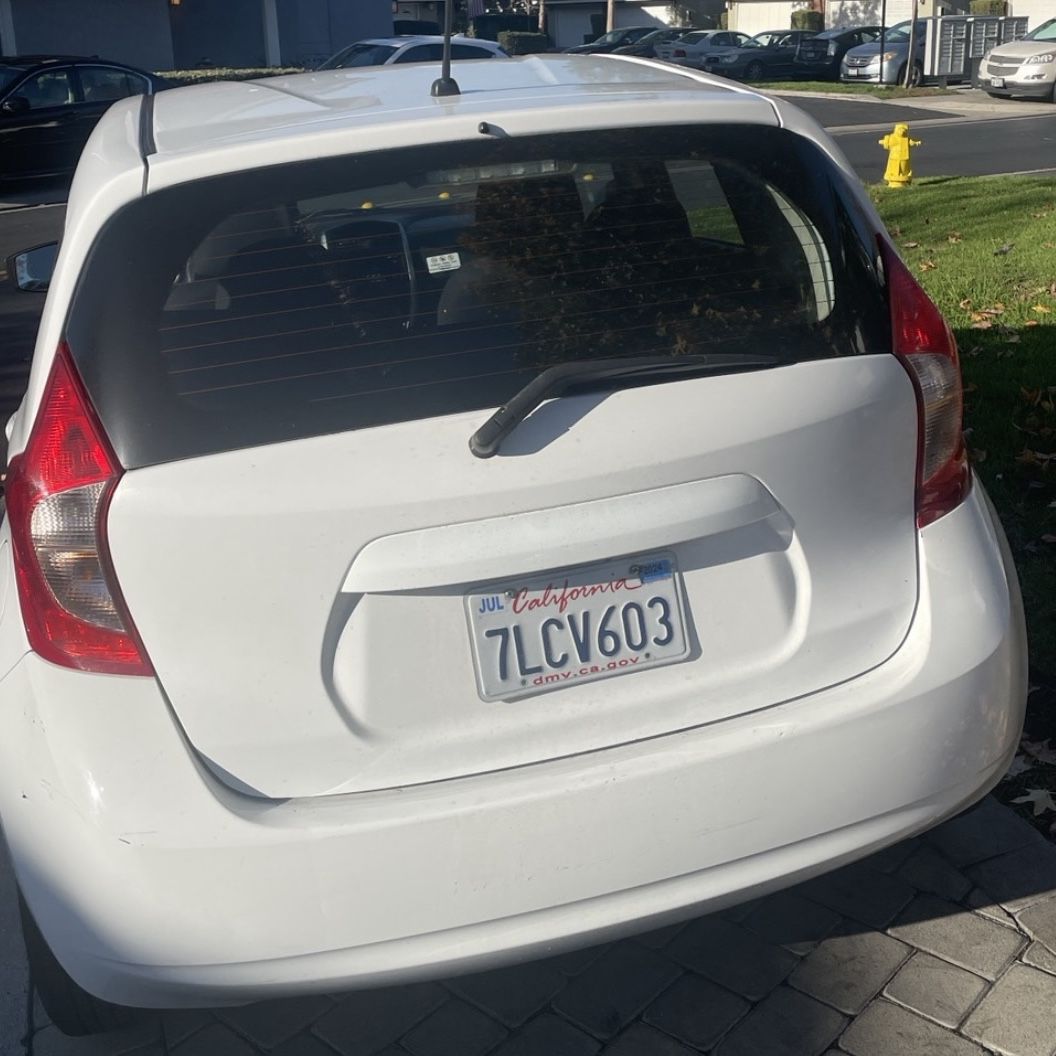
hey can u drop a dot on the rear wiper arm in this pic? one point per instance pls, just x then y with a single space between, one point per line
554 380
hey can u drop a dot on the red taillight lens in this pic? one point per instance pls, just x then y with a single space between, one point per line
926 346
58 490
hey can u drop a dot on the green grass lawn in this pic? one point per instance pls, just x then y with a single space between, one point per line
985 250
839 88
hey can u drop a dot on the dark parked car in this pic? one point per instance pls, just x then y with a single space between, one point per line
612 40
645 47
49 105
766 55
819 58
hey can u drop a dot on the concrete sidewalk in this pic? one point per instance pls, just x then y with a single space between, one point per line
944 945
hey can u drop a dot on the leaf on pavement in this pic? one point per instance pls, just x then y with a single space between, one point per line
1039 750
1020 765
1040 798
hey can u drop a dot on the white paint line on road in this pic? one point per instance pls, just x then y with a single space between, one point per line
954 122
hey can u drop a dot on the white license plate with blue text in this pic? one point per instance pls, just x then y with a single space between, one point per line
572 627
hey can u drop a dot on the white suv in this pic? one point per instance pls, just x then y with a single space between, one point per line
1025 67
446 531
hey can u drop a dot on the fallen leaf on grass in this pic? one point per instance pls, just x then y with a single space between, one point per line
966 304
1040 798
1005 353
982 324
1031 322
1020 765
910 245
953 237
928 265
1041 309
1005 249
1039 750
1038 216
1048 538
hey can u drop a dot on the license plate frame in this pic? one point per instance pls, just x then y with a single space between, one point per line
997 82
635 620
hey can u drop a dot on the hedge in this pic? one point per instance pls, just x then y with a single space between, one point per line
814 20
988 7
179 78
517 43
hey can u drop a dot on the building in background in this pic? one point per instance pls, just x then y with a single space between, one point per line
183 34
571 22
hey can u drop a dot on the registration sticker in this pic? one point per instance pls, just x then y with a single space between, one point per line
443 262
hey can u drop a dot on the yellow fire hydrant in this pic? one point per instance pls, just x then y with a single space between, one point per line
897 143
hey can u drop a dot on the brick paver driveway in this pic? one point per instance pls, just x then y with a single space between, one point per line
944 945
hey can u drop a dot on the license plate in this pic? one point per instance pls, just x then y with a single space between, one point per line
573 627
997 82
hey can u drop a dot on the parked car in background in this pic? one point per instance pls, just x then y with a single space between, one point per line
819 57
1024 67
49 105
580 537
691 49
609 42
645 47
874 63
386 51
769 55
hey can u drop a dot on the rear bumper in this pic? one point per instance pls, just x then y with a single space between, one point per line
157 886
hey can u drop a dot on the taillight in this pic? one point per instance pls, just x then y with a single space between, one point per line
925 344
58 490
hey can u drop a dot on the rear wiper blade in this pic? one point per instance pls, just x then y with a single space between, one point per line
553 381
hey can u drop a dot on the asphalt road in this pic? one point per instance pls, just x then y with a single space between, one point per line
952 145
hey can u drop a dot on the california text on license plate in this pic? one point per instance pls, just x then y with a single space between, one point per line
577 626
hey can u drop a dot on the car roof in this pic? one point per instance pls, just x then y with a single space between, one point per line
423 38
225 114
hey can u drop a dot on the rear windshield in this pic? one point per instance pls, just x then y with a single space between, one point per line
365 290
360 55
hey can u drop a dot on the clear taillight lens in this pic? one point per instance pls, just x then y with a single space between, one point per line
58 491
925 344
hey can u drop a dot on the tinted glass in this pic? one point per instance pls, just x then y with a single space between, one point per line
347 293
1046 31
422 53
469 51
8 75
47 89
360 55
100 84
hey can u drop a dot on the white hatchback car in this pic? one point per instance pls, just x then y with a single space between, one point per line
319 671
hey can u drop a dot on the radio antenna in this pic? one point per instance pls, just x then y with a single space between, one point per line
446 84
